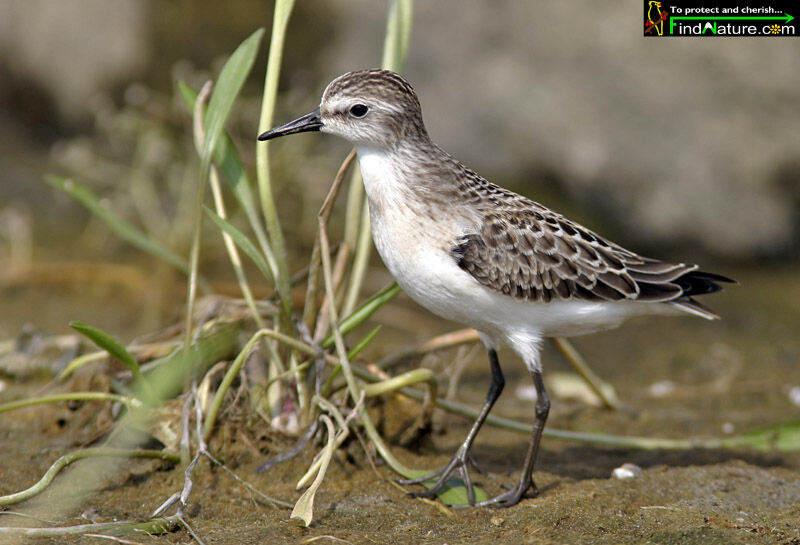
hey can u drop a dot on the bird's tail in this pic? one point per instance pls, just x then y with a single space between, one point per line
698 283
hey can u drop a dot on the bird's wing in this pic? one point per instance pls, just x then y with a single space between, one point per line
532 253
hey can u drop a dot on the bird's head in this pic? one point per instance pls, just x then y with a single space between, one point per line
376 108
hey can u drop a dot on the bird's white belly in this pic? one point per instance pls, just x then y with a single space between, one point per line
421 266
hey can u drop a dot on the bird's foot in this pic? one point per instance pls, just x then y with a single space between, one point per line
458 463
512 497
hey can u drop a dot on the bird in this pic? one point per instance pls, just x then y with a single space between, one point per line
473 252
654 16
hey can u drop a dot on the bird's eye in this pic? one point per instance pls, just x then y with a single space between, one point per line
358 110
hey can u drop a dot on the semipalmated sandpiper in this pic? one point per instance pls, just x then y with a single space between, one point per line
473 252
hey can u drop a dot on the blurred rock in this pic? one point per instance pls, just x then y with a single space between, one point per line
662 388
73 48
36 354
671 141
728 428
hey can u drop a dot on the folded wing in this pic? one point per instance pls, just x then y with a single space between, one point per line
534 254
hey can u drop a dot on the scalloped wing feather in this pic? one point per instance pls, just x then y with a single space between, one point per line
528 252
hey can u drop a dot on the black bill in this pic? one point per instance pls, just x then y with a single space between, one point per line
309 122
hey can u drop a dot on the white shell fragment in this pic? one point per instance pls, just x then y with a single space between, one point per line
626 471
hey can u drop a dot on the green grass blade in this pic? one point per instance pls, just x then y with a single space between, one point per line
280 22
352 353
109 344
227 160
225 155
228 85
69 396
122 228
115 348
214 407
241 241
398 34
227 88
363 312
363 343
170 374
779 437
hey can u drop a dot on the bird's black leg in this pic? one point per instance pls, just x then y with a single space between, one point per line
461 457
513 496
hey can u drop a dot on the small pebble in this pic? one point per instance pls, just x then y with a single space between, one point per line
626 471
91 515
662 389
794 396
497 521
728 428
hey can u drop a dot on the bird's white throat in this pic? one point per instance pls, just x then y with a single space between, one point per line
382 178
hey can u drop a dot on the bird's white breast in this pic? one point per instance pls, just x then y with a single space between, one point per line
414 244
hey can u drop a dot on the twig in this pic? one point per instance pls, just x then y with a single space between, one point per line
440 342
323 320
598 385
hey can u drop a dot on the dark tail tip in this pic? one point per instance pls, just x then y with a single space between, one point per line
702 282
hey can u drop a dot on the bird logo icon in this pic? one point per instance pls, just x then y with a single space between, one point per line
655 18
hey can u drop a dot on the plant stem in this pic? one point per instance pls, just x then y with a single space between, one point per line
73 457
70 396
283 10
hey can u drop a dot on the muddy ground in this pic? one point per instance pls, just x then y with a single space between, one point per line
725 377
